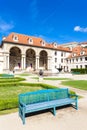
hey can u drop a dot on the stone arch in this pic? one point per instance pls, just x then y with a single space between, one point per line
43 59
30 59
15 58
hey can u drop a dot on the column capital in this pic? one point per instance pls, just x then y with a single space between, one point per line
37 56
23 55
6 53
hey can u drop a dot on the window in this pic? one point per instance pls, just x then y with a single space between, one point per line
77 66
62 54
73 60
76 59
66 61
55 53
81 66
55 44
85 58
82 53
55 60
81 59
15 38
85 66
43 43
70 60
30 41
74 54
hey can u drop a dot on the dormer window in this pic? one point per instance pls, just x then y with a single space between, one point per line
30 41
15 38
55 44
43 43
74 54
82 53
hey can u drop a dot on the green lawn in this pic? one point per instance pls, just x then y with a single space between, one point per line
9 91
9 95
25 74
56 79
52 78
81 84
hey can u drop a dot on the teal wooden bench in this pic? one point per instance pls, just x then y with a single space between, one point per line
7 76
45 99
75 72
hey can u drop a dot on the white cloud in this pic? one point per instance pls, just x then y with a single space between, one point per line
5 27
80 29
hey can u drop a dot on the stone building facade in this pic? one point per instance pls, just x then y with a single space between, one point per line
78 57
22 52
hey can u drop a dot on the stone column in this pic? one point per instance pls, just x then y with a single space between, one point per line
23 61
49 63
7 58
6 61
37 62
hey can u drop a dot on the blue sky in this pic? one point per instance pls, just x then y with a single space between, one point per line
58 21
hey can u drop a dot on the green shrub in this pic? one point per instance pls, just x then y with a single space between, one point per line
81 71
10 82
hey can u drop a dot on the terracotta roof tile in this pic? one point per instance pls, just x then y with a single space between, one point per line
83 42
76 52
23 39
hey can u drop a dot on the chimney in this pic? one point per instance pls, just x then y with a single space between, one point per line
3 38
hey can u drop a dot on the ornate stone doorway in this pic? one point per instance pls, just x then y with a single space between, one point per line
43 60
15 58
30 59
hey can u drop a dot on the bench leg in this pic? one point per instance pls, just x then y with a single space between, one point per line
53 111
23 118
23 115
76 104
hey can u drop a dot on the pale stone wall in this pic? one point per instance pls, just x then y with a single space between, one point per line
77 63
51 62
1 60
15 60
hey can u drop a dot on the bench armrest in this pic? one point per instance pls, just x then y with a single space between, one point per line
22 104
73 95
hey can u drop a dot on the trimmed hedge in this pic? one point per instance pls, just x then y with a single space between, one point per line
79 71
26 84
10 82
8 103
16 79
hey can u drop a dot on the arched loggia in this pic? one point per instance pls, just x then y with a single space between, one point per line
43 59
30 59
15 58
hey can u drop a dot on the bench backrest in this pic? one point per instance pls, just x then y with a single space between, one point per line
43 95
58 94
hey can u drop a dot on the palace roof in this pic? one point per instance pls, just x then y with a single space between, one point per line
33 41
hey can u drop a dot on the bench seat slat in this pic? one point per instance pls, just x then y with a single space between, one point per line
50 104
